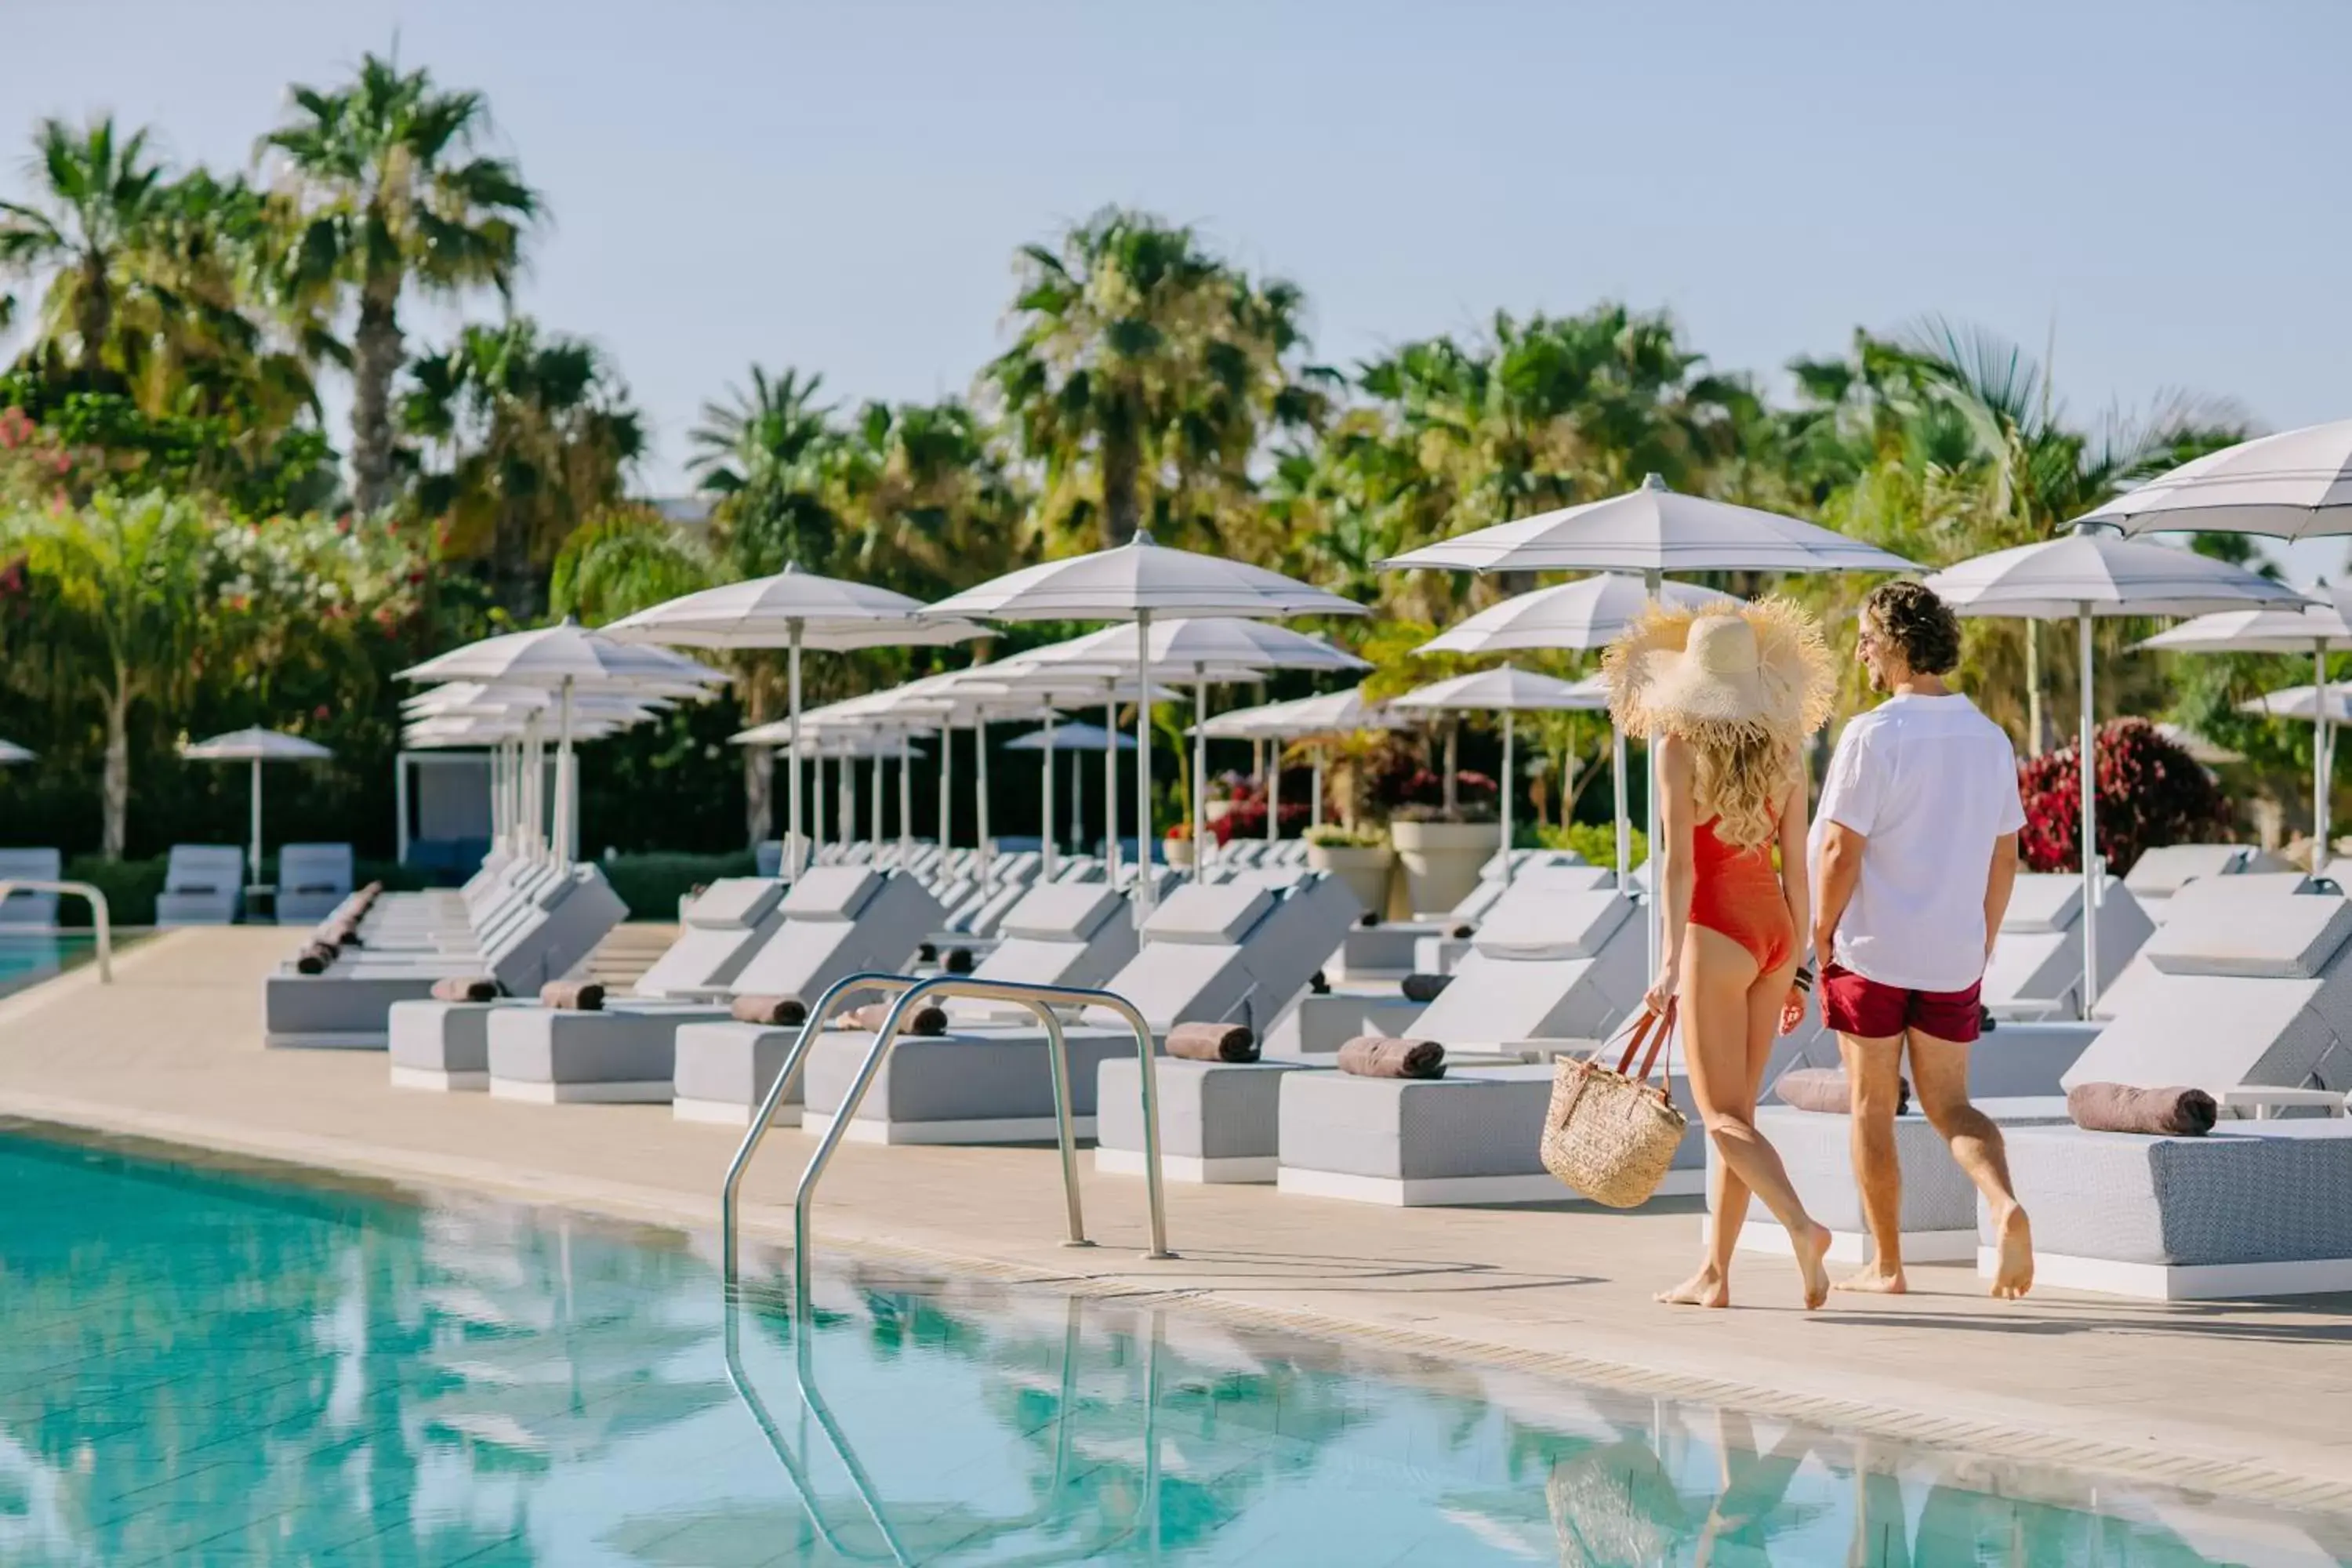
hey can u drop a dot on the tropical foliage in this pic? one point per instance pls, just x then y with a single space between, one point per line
181 538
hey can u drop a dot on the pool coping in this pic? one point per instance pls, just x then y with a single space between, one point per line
767 1232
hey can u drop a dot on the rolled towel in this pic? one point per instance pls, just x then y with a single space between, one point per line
373 891
1826 1089
465 988
1379 1056
959 961
1318 984
1462 934
1368 919
787 1011
313 959
927 953
928 1018
2158 1112
573 996
1212 1043
1425 987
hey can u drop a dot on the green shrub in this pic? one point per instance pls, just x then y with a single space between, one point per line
651 884
1332 835
130 887
1596 841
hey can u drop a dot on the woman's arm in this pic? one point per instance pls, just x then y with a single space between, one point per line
1796 876
1675 875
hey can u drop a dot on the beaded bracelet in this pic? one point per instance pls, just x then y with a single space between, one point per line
1804 978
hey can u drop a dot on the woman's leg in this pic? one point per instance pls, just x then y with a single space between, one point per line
1713 1004
1730 1012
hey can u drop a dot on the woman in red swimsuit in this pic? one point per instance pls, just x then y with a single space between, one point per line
1727 697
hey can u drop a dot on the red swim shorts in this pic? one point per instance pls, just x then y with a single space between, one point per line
1856 1004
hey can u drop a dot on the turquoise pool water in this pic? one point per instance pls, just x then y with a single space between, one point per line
202 1365
27 958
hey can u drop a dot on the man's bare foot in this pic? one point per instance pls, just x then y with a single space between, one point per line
1705 1288
2013 1275
1874 1280
1813 1248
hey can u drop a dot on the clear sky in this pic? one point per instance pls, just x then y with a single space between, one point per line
840 186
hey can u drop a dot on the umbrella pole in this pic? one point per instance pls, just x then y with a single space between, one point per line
2322 762
1273 777
792 841
947 781
1653 582
1045 816
1624 826
980 749
2090 785
1315 787
1200 772
1110 779
873 804
1509 738
255 880
1143 889
906 801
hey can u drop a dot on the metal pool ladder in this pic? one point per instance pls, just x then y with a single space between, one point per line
913 991
99 918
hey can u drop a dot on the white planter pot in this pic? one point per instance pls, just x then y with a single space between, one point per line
1179 852
1442 860
1218 810
1365 871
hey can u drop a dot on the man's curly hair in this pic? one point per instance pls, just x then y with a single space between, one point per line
1916 625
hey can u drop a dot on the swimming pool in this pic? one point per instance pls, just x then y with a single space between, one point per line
27 958
203 1363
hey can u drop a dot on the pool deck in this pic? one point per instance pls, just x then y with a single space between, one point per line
2251 1400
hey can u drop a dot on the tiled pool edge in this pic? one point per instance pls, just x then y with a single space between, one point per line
767 1228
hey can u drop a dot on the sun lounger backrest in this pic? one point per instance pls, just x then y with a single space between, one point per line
1203 916
832 893
1061 912
1539 924
314 869
1063 934
2165 870
2289 938
1296 939
555 933
733 903
29 908
203 868
810 952
2044 902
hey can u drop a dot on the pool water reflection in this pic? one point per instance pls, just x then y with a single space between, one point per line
29 957
203 1364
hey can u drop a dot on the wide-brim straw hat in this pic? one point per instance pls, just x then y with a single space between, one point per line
1722 674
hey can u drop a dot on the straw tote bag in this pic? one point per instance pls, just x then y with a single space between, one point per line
1612 1133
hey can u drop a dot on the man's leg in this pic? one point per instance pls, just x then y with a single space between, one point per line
1872 1070
1939 1076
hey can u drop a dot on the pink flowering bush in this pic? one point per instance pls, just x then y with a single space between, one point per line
2151 792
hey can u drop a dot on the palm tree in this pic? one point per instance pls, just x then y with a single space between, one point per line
1143 376
102 195
386 190
925 506
124 580
536 433
764 454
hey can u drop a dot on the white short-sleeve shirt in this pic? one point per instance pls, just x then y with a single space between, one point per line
1931 783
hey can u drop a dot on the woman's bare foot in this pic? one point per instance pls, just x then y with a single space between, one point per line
1812 1249
1707 1288
2013 1275
1875 1279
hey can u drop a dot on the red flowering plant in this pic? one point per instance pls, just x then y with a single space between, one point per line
2151 792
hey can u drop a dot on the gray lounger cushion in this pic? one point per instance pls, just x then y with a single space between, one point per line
1208 1110
2252 1192
2289 938
966 1075
438 1036
1937 1196
732 1063
628 1044
1484 1122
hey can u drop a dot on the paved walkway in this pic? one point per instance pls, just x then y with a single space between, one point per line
2247 1399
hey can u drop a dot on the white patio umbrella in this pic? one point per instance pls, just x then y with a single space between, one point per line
1200 645
793 610
2081 576
1583 617
2293 485
1657 531
256 747
2305 702
563 658
11 753
2316 629
1510 691
1333 713
1140 582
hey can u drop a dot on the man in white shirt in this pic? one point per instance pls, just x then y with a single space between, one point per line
1915 853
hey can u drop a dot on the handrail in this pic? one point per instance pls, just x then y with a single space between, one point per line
1040 1000
98 914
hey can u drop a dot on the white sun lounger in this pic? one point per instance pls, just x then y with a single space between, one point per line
204 885
836 920
2036 969
313 878
30 910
